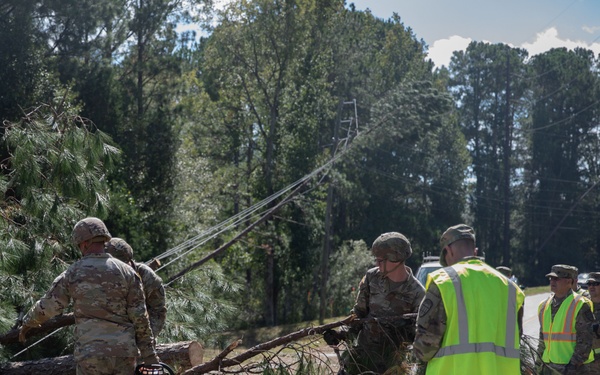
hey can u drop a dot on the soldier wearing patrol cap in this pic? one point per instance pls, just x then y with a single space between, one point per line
470 321
566 320
385 294
593 284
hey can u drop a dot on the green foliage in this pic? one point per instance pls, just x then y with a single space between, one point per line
560 191
491 98
348 266
54 176
199 305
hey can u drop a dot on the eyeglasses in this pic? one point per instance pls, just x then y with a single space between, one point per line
593 283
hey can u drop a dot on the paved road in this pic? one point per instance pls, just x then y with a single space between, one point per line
531 323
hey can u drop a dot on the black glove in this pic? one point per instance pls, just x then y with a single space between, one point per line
332 337
595 327
570 369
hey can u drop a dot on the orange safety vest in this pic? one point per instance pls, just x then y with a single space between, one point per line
559 333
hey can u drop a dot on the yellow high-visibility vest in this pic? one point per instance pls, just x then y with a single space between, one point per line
559 333
482 331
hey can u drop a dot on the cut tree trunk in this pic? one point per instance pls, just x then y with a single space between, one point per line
180 356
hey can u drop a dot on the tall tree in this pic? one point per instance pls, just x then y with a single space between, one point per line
485 80
563 125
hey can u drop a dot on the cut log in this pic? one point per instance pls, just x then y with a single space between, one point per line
12 336
180 356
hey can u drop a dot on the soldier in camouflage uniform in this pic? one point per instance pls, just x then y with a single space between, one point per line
151 283
385 294
561 279
593 283
111 322
477 288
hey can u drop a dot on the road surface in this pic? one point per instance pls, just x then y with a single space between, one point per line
531 324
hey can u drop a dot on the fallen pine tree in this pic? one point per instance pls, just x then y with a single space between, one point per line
182 355
220 361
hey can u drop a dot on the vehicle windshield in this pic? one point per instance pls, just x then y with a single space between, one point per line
425 270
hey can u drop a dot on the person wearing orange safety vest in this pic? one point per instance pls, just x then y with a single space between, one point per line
471 319
566 320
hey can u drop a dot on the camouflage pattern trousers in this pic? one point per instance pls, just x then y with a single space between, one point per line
368 360
106 366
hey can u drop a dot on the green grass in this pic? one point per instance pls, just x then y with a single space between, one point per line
533 290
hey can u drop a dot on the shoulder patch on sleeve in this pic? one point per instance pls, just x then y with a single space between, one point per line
425 307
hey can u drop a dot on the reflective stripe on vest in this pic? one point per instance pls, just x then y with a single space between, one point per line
559 334
464 346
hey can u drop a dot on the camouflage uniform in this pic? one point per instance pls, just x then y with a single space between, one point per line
583 327
155 296
110 313
381 302
151 282
594 367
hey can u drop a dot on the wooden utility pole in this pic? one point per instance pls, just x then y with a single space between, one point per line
327 236
330 192
506 165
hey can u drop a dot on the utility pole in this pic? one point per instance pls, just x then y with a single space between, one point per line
506 164
351 131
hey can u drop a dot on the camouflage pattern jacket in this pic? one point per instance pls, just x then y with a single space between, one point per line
155 297
383 300
108 304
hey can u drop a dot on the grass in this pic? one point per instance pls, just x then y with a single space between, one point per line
533 290
254 336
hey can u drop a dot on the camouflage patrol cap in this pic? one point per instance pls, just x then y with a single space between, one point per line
504 270
392 246
453 234
120 249
594 277
563 271
90 229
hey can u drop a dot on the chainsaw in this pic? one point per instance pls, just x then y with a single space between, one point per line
154 369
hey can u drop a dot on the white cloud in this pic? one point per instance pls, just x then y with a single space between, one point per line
441 50
590 29
549 39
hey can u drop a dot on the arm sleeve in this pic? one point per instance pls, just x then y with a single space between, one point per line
361 305
53 303
584 335
155 303
136 311
431 324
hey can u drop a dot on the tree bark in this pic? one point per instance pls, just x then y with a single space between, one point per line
220 361
12 336
180 356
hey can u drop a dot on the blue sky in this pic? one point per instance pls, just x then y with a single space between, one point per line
536 25
450 25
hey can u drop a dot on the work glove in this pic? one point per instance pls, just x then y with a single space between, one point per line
23 332
571 369
595 327
333 337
